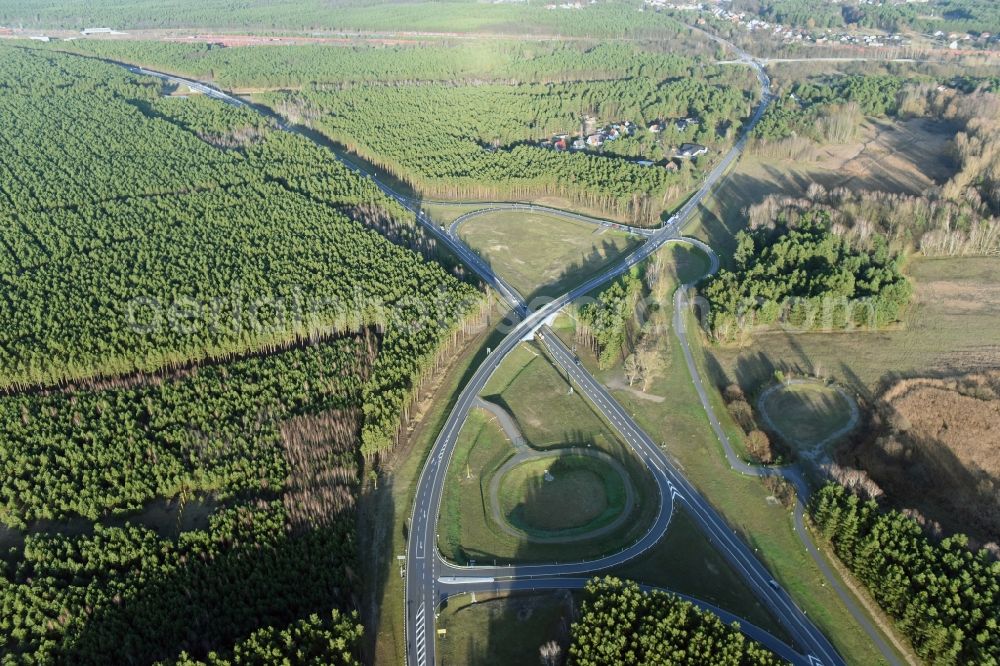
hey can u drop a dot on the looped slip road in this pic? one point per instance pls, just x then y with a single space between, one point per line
525 454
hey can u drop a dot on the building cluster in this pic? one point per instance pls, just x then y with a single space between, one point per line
615 131
956 40
611 132
681 124
778 32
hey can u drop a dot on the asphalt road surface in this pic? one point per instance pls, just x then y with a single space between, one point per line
430 579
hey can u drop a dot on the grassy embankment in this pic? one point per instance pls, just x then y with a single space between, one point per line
551 495
806 414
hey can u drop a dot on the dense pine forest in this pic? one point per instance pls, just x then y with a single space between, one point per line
272 438
442 61
482 142
620 624
610 19
800 273
238 237
502 99
944 597
602 323
203 312
466 120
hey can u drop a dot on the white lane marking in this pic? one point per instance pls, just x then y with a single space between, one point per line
420 639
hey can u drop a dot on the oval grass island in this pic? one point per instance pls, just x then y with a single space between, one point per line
561 495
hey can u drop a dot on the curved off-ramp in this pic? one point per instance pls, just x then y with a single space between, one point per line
553 212
535 585
422 559
525 453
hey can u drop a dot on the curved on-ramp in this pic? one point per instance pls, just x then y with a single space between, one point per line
423 559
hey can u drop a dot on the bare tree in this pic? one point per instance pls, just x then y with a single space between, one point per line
634 371
550 653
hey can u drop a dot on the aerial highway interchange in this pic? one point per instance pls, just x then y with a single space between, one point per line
430 579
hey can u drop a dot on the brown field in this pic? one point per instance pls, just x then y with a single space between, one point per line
933 448
945 467
950 328
906 157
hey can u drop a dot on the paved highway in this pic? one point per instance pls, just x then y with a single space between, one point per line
424 565
428 573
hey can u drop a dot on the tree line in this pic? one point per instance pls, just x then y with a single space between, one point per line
958 217
942 596
603 323
334 65
809 107
911 223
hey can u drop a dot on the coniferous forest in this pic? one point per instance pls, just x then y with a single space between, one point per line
239 237
203 313
619 625
807 277
215 335
944 597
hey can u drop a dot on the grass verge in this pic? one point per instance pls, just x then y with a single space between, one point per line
383 513
806 414
685 562
504 631
544 255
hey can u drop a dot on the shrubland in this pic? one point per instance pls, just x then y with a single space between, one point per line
959 218
928 449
